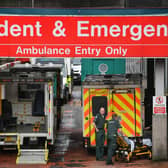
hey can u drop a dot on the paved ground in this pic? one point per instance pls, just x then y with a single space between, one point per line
68 150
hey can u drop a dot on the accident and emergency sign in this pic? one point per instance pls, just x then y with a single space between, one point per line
159 104
83 36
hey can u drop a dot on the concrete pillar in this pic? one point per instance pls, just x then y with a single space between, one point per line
159 122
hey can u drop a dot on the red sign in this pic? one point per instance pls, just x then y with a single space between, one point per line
84 36
159 110
159 105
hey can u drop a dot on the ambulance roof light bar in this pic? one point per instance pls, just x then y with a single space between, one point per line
9 65
114 77
36 68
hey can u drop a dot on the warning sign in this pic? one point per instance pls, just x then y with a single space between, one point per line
159 104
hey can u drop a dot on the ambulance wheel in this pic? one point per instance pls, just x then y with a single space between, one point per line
150 155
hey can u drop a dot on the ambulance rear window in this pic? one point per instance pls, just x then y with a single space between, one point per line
97 103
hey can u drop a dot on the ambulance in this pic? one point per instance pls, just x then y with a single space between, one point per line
28 113
120 93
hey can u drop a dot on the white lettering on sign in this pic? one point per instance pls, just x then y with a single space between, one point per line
99 31
149 30
85 29
59 30
115 30
16 30
81 27
42 51
116 51
87 51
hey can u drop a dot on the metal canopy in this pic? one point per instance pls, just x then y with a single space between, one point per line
29 73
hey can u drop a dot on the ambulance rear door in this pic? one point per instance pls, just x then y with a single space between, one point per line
126 104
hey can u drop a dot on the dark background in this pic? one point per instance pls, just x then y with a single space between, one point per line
83 3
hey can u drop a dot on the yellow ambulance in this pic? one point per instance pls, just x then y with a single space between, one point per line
116 93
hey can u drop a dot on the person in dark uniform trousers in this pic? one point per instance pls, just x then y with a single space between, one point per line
112 128
99 123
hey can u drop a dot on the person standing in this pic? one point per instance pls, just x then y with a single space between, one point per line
112 129
99 123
